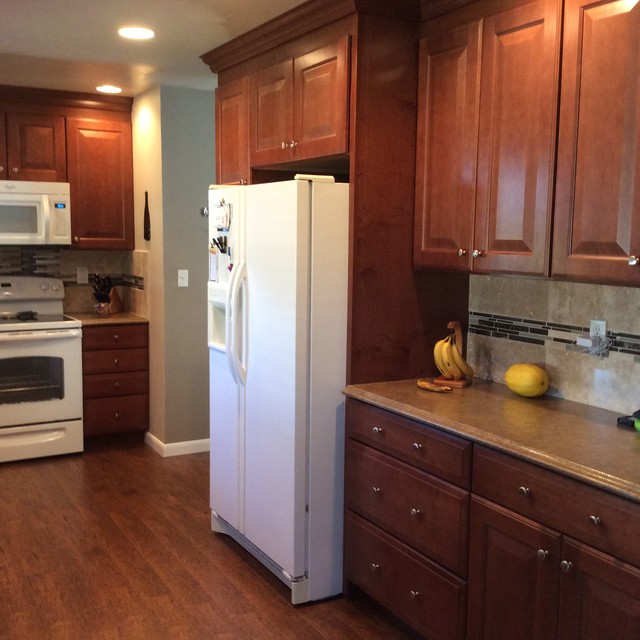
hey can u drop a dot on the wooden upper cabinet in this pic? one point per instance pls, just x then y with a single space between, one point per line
486 140
300 107
597 213
35 147
101 180
447 146
232 133
518 105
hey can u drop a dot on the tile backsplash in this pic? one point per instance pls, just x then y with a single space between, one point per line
514 319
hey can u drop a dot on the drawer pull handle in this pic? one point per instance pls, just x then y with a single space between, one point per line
377 430
566 566
524 491
414 594
415 513
376 490
374 566
416 446
542 554
595 520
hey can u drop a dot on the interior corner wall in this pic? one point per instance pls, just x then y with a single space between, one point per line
147 176
188 168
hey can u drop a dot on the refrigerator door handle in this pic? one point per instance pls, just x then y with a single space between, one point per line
236 324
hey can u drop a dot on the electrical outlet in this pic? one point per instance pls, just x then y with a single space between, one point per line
598 329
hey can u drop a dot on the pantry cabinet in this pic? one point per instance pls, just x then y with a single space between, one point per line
232 133
486 138
32 146
597 212
299 107
115 368
100 157
406 519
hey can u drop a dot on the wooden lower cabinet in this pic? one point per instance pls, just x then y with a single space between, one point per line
115 361
406 528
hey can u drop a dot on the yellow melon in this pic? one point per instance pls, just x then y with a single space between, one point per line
526 380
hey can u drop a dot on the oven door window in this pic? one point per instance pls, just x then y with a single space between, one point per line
31 379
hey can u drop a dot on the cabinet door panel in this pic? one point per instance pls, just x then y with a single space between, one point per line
447 147
36 147
232 132
271 114
597 196
599 596
101 179
513 592
320 101
516 139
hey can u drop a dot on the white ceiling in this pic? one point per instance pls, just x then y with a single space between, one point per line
73 44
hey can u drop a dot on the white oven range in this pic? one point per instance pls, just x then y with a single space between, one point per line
40 370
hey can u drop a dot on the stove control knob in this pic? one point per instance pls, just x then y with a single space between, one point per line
44 286
55 287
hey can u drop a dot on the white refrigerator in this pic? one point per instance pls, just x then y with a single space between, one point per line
277 314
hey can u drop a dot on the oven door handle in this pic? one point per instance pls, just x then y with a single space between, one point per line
38 336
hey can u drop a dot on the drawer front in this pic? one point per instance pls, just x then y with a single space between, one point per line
444 455
429 514
110 415
115 360
115 384
429 599
593 516
115 336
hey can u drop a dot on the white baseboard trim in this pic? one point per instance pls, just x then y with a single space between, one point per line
176 448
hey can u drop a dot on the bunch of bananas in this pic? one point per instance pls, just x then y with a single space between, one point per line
449 360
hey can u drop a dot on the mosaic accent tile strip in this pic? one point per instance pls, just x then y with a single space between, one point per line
24 261
541 332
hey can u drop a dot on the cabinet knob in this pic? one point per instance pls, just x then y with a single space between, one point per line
284 145
376 490
116 337
542 554
76 239
414 594
566 566
595 520
1 169
116 385
462 253
415 513
115 361
416 446
377 430
293 144
524 491
374 566
633 261
116 415
476 253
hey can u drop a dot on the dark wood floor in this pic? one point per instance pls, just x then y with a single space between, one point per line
115 544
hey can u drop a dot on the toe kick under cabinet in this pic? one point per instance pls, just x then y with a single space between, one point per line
115 361
407 518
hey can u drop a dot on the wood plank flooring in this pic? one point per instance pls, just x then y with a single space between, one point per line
115 544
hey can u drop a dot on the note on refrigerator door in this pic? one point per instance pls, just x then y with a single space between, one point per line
213 264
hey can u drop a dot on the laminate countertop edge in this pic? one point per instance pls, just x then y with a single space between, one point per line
577 440
93 319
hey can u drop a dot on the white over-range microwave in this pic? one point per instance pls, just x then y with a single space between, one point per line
34 212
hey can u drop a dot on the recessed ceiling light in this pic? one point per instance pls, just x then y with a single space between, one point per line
108 88
136 33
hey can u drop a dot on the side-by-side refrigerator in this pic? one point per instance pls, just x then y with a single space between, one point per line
277 312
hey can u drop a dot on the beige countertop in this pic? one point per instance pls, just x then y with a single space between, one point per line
577 440
93 319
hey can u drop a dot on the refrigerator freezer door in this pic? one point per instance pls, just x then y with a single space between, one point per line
277 257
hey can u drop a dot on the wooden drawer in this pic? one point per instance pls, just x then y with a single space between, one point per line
115 384
115 360
119 413
423 511
430 599
115 336
591 515
444 455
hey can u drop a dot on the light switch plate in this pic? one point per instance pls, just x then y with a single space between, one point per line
183 277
